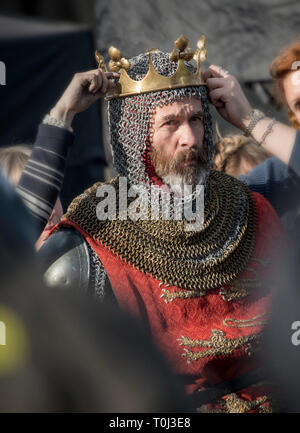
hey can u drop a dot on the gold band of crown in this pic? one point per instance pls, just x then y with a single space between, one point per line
154 81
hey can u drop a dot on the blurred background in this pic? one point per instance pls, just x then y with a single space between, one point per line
43 43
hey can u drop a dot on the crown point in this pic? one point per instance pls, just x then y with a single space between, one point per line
97 56
114 53
188 54
100 60
174 57
203 55
181 43
114 66
201 42
125 64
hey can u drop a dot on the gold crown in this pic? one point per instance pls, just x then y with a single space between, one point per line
154 81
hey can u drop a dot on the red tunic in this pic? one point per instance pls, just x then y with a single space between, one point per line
213 336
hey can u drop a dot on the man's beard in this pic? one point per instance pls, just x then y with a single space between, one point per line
177 172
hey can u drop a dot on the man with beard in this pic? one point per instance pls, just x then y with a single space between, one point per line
204 293
179 162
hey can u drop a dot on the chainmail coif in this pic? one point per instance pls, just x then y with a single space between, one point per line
129 118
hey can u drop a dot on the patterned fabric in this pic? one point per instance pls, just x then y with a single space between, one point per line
43 175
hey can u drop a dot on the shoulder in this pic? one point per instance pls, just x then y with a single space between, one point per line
271 170
65 261
269 228
86 203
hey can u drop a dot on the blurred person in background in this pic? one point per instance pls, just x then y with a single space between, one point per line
282 335
285 70
237 154
38 174
278 177
13 160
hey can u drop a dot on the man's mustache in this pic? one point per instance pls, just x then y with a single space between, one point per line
190 155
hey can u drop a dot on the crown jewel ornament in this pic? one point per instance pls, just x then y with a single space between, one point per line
153 81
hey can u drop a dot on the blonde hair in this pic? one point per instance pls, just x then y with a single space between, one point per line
12 162
232 149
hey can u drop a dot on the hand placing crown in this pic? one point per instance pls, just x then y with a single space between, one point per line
153 81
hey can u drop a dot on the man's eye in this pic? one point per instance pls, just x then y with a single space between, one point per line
197 118
170 122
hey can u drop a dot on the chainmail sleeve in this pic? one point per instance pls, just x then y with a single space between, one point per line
99 284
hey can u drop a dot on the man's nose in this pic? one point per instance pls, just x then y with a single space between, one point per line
188 137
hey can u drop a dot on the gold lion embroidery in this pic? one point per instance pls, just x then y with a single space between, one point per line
218 344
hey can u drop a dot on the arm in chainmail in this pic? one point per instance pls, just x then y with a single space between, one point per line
99 284
97 275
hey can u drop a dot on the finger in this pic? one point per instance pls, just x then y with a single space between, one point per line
112 75
87 79
212 72
219 104
219 71
112 82
216 97
94 83
104 83
207 74
215 83
100 75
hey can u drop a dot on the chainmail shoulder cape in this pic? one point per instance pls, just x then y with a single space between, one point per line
197 260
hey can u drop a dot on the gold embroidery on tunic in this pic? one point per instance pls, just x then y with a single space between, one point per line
235 404
233 292
218 344
241 287
169 295
245 323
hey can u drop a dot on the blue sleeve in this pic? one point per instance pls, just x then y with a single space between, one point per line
277 182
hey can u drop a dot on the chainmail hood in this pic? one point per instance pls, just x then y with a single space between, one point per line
129 119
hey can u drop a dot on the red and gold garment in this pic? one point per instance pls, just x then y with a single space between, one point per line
211 336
